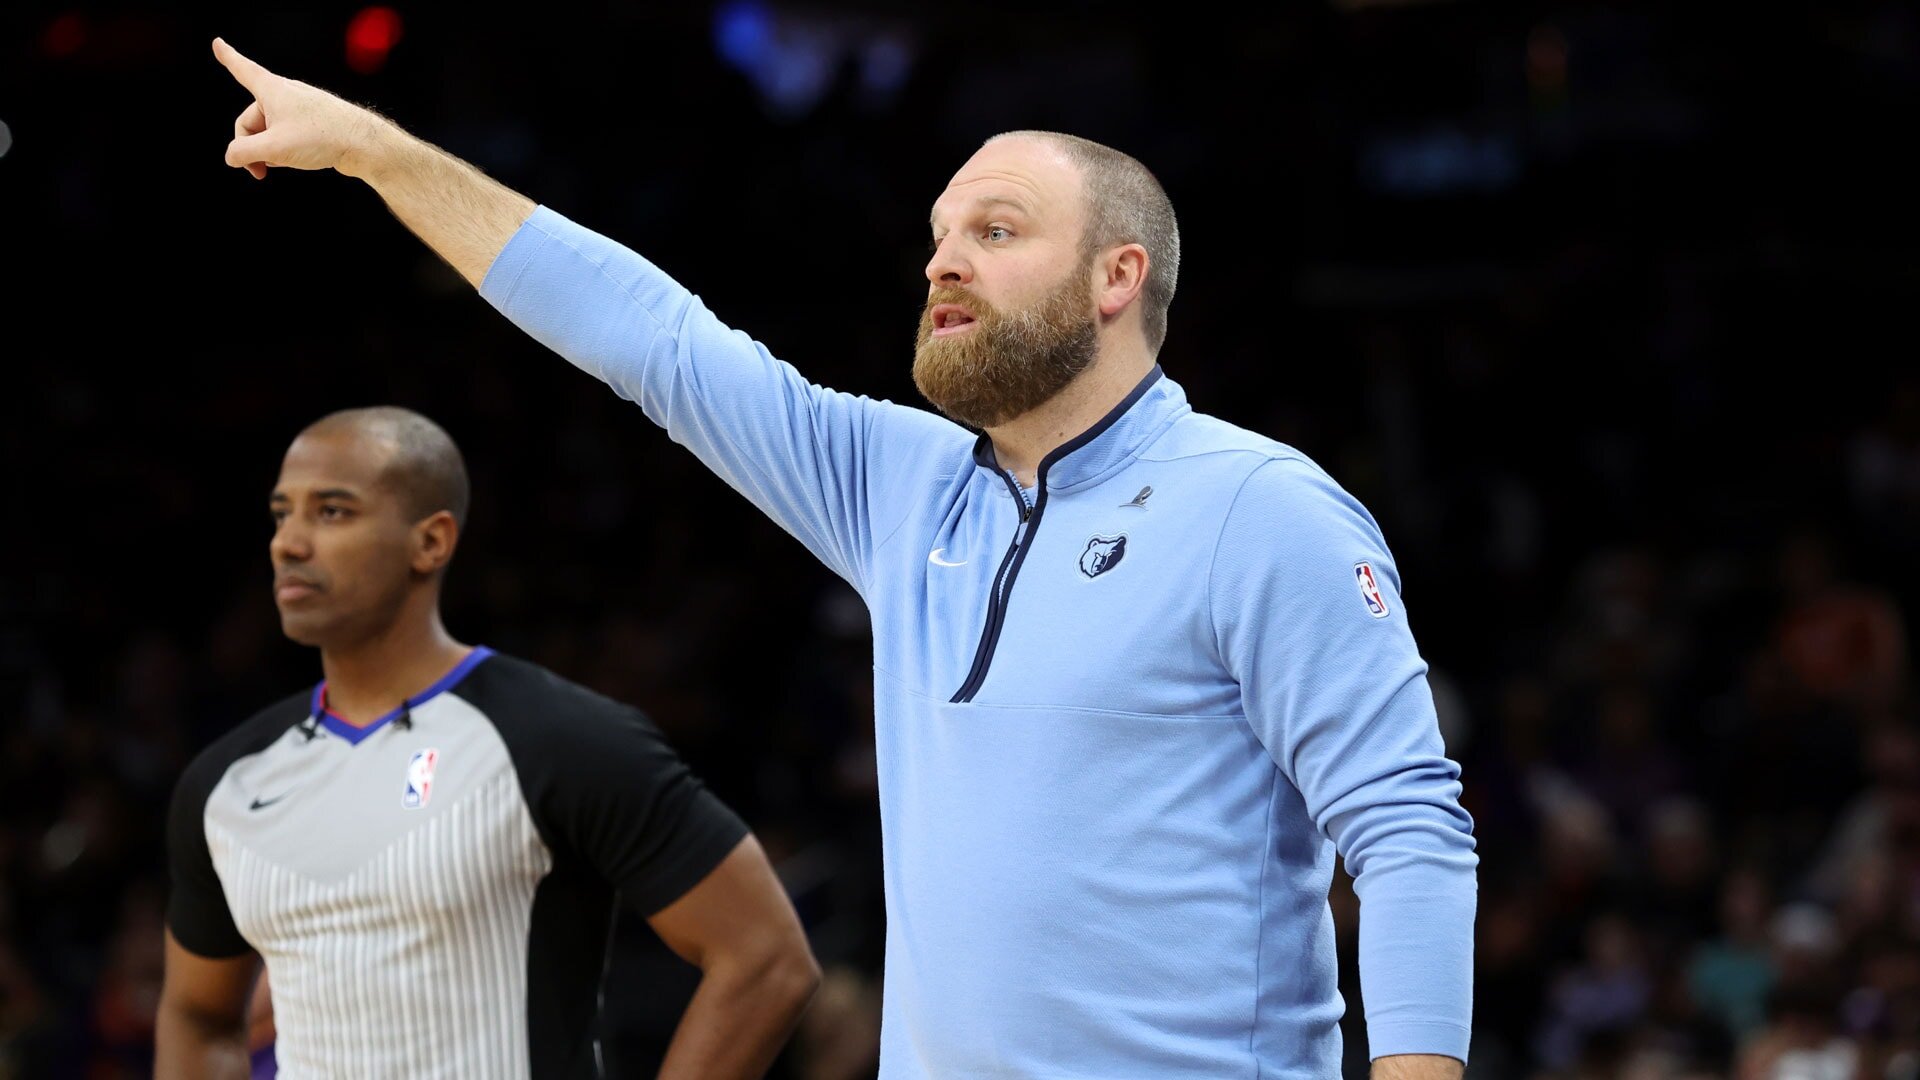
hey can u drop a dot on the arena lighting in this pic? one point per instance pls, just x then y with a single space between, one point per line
792 57
371 35
64 36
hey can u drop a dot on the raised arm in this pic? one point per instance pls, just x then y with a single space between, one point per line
462 213
833 469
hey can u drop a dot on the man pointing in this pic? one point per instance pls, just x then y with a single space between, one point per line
1099 862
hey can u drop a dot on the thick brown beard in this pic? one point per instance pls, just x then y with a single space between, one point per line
1014 361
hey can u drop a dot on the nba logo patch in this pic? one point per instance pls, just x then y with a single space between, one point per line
1370 590
420 779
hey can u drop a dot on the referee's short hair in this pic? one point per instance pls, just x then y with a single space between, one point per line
425 467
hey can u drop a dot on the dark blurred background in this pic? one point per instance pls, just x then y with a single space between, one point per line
1604 311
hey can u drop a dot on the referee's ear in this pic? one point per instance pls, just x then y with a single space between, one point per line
434 538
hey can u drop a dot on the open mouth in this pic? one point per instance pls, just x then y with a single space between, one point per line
951 319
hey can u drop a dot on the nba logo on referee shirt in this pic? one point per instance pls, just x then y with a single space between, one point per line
1370 590
419 779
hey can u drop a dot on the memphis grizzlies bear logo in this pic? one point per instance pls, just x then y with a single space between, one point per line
1103 554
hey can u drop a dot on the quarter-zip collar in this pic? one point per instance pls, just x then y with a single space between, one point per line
1110 444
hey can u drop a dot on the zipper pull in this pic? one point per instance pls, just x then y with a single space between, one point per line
1019 495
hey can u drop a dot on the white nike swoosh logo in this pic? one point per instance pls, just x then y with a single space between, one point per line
936 560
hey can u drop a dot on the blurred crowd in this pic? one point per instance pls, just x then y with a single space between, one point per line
1597 312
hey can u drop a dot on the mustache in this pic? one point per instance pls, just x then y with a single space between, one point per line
953 294
982 311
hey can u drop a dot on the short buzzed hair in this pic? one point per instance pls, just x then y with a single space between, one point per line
426 469
1125 205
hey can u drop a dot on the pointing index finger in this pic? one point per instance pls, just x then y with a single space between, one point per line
245 71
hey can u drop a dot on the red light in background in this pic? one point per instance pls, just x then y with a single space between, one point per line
64 36
370 36
1547 59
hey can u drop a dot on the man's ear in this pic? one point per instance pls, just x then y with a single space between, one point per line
1123 273
434 538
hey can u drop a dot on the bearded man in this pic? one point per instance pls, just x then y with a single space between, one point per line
1139 674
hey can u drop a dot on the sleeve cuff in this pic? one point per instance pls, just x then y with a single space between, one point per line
213 944
1386 1038
496 287
702 841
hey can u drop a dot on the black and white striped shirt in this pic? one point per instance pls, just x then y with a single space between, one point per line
433 892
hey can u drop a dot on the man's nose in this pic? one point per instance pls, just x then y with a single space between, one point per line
947 267
291 543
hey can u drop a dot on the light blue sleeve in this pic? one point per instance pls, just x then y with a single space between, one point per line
1335 688
808 457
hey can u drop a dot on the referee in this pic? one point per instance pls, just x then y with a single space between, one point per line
426 847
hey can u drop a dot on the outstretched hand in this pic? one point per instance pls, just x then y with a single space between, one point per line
463 214
290 123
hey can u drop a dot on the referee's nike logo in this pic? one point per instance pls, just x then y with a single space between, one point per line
261 804
936 560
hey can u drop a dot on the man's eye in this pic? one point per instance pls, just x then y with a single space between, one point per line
332 513
1001 229
278 516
